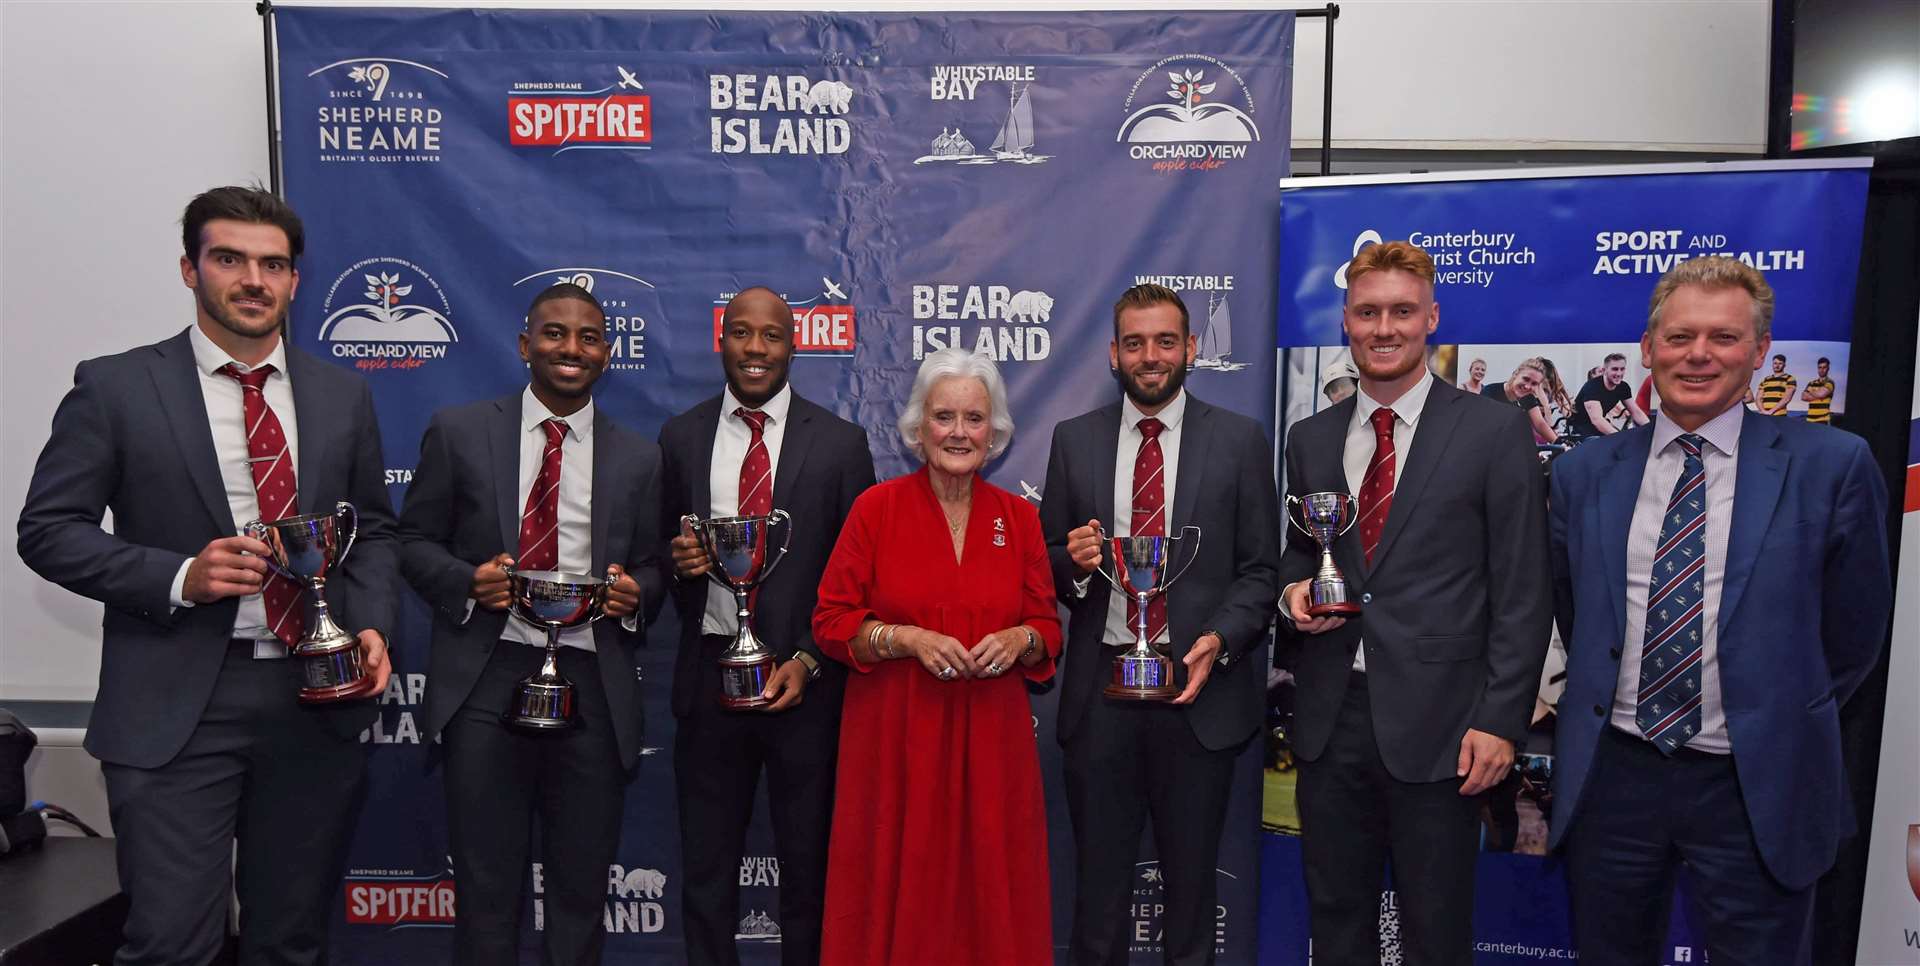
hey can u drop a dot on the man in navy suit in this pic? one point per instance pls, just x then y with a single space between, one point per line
1723 587
542 480
754 448
197 726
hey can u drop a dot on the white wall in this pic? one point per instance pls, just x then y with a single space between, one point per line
112 115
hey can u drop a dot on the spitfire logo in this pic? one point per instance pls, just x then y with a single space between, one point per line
1003 324
1010 120
1145 931
1192 124
396 898
633 899
388 120
626 299
566 116
819 128
384 319
395 725
822 325
1212 328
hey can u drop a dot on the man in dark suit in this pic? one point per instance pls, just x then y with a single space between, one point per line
756 447
1409 710
540 480
1723 587
197 725
1155 462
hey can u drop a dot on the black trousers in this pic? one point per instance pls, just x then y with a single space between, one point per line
498 779
1642 817
262 769
1131 761
1354 816
717 759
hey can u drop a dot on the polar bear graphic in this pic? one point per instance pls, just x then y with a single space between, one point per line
827 97
645 883
1030 307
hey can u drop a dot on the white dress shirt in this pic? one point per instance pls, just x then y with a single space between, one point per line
1119 630
1664 464
226 416
730 441
576 503
1361 443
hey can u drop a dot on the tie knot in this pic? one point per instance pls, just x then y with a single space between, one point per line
251 378
556 430
1691 443
1150 427
754 418
1382 422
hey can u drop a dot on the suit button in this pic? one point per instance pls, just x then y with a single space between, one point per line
1613 652
1366 598
1599 712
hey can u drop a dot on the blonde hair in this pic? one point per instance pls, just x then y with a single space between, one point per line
1716 272
1391 256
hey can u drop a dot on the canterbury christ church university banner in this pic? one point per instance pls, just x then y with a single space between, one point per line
907 182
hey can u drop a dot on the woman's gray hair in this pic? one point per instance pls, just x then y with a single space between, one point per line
957 364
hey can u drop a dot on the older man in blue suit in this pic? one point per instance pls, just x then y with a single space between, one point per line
1723 586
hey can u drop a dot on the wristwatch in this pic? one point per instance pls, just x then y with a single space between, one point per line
1033 641
1222 658
813 666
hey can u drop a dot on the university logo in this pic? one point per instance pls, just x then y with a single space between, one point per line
397 898
997 321
1007 118
627 300
567 116
823 325
779 114
1193 122
387 313
377 111
1145 930
1211 326
1362 240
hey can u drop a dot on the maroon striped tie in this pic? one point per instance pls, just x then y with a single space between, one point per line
275 492
1376 490
540 521
1150 514
756 470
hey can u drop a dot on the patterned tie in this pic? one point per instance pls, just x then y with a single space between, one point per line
756 470
274 492
1150 514
1376 488
540 522
1669 710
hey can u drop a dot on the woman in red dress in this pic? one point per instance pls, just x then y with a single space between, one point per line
938 595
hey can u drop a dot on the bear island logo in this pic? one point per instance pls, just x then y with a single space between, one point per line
627 300
998 321
568 116
956 87
400 319
1212 324
1146 913
632 905
823 325
1192 125
399 898
377 111
779 114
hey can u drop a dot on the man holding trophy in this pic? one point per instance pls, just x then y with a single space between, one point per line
206 730
750 688
1159 491
1425 582
529 517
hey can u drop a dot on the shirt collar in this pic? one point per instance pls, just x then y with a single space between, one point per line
210 358
1722 431
1169 415
1406 409
533 412
775 408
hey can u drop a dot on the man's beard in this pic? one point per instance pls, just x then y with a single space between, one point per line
233 323
1143 397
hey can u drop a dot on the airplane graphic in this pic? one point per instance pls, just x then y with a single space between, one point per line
1027 490
833 291
628 80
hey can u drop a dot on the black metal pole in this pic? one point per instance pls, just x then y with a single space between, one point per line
1331 13
265 9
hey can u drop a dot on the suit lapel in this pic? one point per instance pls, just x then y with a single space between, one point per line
1619 491
793 451
605 480
503 440
701 482
1106 449
311 417
1438 419
1196 437
1761 469
177 379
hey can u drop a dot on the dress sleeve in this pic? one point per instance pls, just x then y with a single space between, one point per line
842 603
1038 608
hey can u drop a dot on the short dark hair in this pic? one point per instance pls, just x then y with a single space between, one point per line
564 290
254 204
1614 357
1777 357
1145 294
1825 361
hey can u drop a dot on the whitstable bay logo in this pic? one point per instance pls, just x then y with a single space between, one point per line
1008 115
392 323
1193 124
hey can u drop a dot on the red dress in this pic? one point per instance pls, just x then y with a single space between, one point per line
939 847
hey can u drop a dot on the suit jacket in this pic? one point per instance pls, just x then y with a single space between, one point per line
1455 611
1224 486
132 436
1804 604
824 464
463 508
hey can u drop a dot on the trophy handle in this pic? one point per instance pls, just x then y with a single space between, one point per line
1191 557
1353 515
691 522
261 532
1293 517
1106 550
340 509
786 529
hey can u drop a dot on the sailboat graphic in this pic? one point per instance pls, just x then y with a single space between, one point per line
1215 335
1013 144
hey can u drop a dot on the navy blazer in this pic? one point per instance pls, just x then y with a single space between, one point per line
132 436
463 508
1803 611
1225 487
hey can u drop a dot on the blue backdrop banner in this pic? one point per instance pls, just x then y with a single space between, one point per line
1550 271
908 182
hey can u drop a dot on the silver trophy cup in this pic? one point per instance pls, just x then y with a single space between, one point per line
1143 565
737 551
304 549
1326 517
552 600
